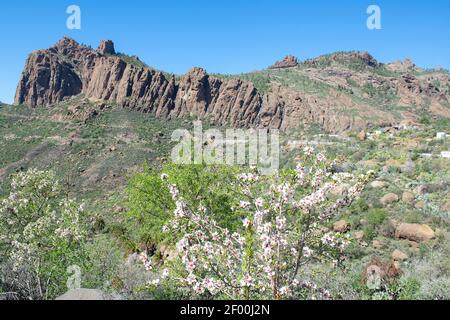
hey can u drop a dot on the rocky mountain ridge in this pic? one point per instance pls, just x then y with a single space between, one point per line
69 69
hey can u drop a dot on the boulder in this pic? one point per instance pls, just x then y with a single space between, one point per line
423 189
362 136
389 199
398 255
378 271
378 184
377 244
340 226
414 232
359 235
419 205
134 259
373 276
408 197
430 188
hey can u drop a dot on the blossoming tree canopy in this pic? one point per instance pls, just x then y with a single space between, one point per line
283 228
37 225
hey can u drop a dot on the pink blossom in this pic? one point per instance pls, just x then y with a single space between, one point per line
246 222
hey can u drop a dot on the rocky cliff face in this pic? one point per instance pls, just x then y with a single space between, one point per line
69 69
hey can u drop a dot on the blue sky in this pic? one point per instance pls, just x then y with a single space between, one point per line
226 36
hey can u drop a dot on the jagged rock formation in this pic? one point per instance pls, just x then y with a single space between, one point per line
68 69
106 47
402 66
288 62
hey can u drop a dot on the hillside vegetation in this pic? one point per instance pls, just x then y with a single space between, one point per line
359 208
110 159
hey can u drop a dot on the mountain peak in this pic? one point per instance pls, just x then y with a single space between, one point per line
106 47
345 58
402 66
66 42
288 62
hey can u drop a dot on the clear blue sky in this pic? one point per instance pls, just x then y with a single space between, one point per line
226 36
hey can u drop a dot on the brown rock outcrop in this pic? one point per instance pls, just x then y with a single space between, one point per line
414 232
346 57
362 136
46 80
340 226
408 197
106 47
398 255
378 244
389 199
68 69
288 62
378 269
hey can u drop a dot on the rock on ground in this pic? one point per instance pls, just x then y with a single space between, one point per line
359 235
414 232
377 244
288 62
408 197
389 199
398 255
378 184
340 226
362 136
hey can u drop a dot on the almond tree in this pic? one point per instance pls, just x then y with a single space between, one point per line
39 235
283 228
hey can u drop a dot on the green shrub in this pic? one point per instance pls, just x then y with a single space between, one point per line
149 202
376 217
360 206
103 260
407 289
369 232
